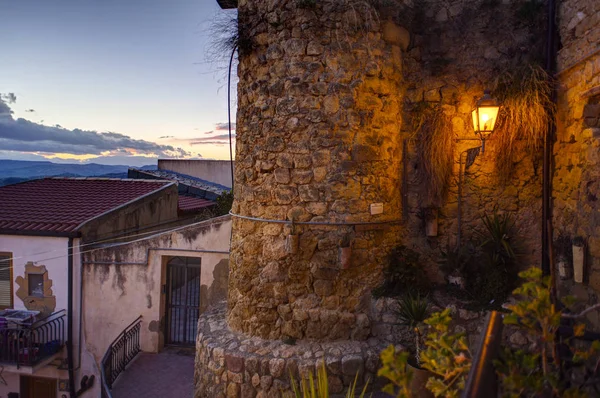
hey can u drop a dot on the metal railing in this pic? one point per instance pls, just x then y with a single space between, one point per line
118 355
28 345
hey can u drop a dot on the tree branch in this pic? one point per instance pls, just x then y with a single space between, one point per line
583 313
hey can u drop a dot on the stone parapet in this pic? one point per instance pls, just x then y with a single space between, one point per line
229 364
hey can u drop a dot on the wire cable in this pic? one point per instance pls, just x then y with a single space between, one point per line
155 234
229 112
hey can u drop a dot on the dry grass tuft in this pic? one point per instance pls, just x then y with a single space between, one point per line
432 131
526 98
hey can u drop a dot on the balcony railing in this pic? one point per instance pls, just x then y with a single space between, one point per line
28 345
118 355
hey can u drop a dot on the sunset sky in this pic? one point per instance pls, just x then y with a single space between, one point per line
111 81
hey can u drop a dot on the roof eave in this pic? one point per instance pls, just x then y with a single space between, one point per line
228 4
25 232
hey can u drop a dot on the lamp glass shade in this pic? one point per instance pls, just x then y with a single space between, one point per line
485 114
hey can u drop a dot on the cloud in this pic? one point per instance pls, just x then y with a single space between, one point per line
210 143
26 136
164 137
209 132
224 126
223 138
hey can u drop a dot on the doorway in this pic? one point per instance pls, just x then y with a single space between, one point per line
38 387
183 300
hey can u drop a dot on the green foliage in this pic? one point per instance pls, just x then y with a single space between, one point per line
224 203
496 275
394 367
533 373
309 388
496 237
403 274
456 260
413 309
446 355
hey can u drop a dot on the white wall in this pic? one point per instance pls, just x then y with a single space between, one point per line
48 251
217 171
51 252
116 294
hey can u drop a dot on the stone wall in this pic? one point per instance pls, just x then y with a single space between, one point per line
458 49
319 113
577 147
325 95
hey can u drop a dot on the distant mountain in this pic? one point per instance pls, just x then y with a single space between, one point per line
13 171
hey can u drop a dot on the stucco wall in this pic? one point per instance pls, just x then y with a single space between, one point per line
150 211
52 253
217 171
576 189
117 288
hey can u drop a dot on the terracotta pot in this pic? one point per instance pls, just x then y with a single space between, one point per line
431 223
345 257
291 244
578 263
419 381
456 280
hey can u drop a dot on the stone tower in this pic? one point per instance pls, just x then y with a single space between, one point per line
319 116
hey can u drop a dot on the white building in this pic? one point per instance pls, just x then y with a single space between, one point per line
89 256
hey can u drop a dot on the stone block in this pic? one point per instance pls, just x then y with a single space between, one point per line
234 363
276 367
396 35
323 287
233 390
282 175
352 364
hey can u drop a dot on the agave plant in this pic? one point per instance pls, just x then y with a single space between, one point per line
412 311
496 238
319 388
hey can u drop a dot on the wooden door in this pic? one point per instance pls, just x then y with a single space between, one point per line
37 387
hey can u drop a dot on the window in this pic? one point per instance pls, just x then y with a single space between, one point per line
36 285
6 296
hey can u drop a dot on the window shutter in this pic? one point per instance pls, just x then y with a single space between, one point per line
5 281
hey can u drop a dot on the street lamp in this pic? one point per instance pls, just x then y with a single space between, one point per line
485 115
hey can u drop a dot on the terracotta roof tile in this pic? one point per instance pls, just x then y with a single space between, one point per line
62 204
191 203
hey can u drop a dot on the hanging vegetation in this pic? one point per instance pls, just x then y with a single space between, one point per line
432 132
526 97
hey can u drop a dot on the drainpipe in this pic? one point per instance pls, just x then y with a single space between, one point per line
548 141
72 391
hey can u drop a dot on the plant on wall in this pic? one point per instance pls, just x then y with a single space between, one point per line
434 138
527 107
403 274
537 372
496 274
446 356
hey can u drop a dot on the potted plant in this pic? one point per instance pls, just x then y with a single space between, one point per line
413 310
564 256
454 262
578 258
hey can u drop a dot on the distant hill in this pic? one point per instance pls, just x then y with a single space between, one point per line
14 171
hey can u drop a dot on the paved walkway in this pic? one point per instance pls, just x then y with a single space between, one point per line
169 374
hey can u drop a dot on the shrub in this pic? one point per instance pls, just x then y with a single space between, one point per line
404 274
